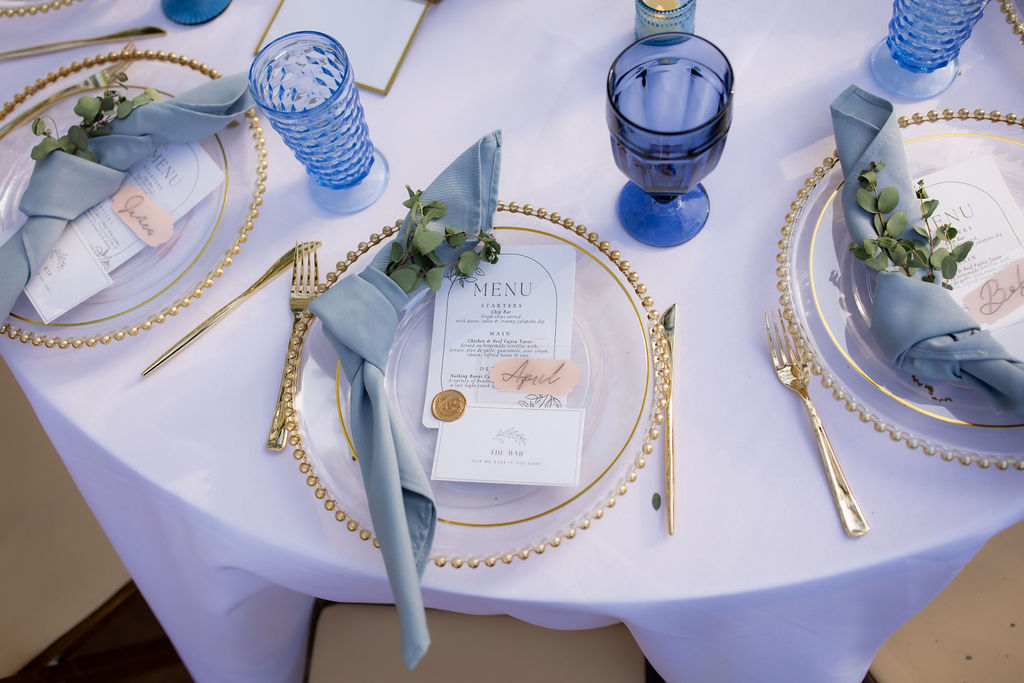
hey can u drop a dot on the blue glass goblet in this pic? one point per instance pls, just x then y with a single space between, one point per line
918 58
669 109
304 85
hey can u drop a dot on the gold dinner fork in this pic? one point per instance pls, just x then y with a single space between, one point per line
305 277
95 81
793 373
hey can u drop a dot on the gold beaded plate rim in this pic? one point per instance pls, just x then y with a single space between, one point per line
25 9
988 443
645 430
242 197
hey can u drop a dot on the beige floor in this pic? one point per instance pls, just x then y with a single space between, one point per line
972 633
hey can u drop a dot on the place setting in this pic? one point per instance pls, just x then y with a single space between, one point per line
932 360
103 281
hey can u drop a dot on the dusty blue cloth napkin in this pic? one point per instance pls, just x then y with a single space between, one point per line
917 325
62 185
360 315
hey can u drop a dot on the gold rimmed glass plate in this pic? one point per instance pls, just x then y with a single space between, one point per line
158 281
28 8
827 294
488 523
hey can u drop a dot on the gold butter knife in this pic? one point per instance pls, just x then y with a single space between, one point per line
137 32
668 321
281 265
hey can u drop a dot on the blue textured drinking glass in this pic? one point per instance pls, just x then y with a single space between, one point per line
304 85
669 109
918 58
661 16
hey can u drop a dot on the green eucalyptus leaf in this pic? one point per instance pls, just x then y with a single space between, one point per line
88 108
888 199
153 93
949 268
78 137
961 250
938 256
897 224
405 277
43 148
397 252
928 207
426 240
876 220
124 108
878 262
922 231
928 278
64 142
141 99
86 154
107 103
898 254
866 200
468 261
39 127
434 277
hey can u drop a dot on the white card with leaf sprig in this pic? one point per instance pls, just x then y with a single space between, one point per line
519 307
974 198
174 177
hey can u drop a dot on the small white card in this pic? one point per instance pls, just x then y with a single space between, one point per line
974 199
519 307
507 445
175 177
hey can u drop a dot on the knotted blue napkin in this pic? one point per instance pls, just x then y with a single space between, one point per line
916 324
62 186
360 315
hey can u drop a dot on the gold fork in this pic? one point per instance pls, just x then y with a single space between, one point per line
305 277
95 81
793 373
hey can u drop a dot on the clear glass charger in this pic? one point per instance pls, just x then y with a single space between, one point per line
484 524
827 296
158 281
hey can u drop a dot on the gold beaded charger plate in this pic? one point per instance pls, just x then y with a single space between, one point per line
28 8
485 524
827 297
158 281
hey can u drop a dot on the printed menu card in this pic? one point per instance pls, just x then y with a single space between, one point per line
503 338
158 191
974 199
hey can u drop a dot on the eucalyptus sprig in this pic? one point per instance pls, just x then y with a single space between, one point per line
934 252
98 112
414 261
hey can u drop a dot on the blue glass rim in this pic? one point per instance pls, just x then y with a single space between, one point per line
315 38
727 78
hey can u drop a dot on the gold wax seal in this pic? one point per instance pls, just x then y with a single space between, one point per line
448 405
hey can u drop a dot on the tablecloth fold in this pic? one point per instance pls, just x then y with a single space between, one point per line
360 315
62 186
916 324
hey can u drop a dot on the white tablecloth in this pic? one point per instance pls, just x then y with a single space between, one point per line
759 583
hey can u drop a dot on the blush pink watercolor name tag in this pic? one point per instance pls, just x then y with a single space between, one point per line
536 375
1000 295
142 215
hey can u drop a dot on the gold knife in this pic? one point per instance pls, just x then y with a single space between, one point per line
282 264
137 32
668 321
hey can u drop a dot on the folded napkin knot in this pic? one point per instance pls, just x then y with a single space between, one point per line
360 315
917 325
48 204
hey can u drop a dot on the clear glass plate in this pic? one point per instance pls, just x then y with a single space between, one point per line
487 522
158 281
827 294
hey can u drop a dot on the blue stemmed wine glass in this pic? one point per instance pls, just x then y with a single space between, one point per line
669 109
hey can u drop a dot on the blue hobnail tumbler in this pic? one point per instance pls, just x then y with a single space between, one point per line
304 85
669 109
918 58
